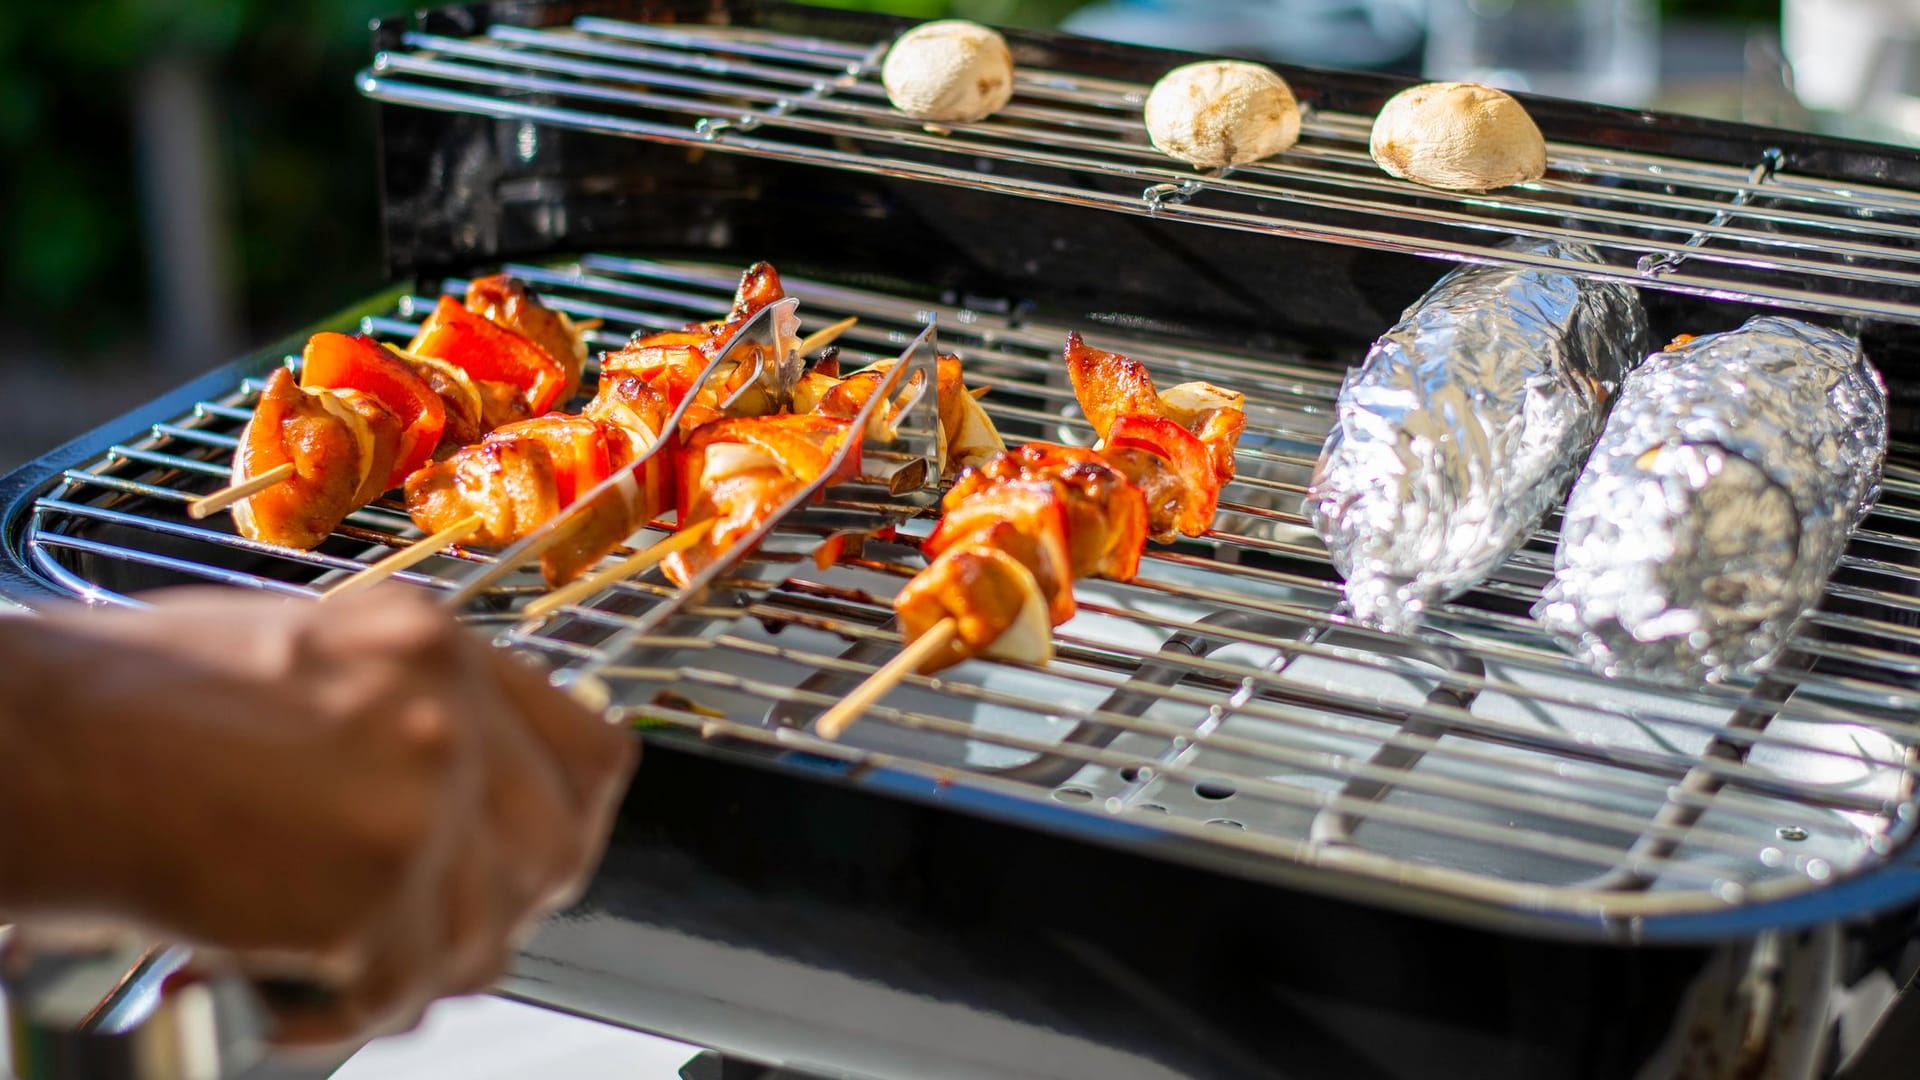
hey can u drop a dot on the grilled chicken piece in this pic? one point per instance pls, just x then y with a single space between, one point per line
1037 512
1109 386
1055 512
501 403
508 301
759 286
672 361
1192 428
585 451
1159 486
1106 513
968 431
458 393
578 453
993 598
738 472
329 445
508 483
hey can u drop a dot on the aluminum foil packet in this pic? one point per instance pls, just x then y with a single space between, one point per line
1464 425
1718 501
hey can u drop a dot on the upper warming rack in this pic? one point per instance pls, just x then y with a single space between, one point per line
1754 232
1217 708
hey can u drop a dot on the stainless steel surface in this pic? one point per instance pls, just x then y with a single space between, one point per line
1756 232
1215 699
1721 494
104 1005
1465 424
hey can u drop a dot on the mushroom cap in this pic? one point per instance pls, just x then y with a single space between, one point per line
950 71
1222 112
1460 136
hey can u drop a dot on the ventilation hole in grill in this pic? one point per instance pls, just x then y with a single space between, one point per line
1132 774
1213 789
1072 794
1152 808
1226 823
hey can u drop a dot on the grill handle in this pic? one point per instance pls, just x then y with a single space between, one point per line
108 1006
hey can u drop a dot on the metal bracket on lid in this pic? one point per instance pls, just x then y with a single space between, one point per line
1656 265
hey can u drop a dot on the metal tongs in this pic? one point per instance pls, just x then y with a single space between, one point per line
901 448
769 342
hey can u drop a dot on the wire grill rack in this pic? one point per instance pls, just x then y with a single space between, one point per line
1755 233
1215 698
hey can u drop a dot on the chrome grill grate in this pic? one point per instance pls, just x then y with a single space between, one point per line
1214 698
1756 232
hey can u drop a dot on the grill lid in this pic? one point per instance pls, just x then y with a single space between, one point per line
1211 711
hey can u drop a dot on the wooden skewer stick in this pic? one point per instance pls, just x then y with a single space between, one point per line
826 335
415 552
227 496
620 571
839 718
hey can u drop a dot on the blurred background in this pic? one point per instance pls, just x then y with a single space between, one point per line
185 179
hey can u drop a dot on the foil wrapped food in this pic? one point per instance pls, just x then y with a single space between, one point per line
1718 501
1464 425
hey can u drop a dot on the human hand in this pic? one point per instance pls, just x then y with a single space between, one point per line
359 795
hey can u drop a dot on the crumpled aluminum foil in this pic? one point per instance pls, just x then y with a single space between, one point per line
1464 425
1718 501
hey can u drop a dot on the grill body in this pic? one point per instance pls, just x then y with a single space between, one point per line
837 915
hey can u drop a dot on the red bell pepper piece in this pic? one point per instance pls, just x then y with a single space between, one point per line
339 362
488 352
577 445
1188 456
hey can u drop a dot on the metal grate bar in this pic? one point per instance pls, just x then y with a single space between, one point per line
188 567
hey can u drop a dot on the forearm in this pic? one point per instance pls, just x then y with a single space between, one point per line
66 819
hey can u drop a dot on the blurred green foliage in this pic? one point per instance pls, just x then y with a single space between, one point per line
299 166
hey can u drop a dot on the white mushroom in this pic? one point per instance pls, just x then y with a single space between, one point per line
1222 112
951 71
1461 136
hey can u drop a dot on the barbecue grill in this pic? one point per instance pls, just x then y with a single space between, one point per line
1224 833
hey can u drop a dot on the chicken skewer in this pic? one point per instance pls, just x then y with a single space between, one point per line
527 469
363 415
1021 527
739 475
614 459
759 466
822 392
